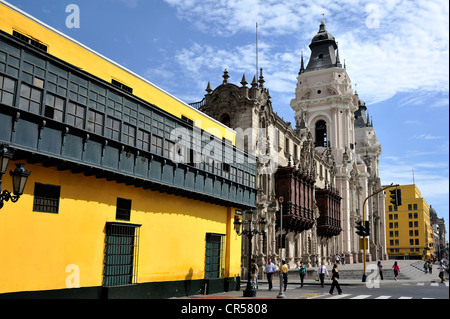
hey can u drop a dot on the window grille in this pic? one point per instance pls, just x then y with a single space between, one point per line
46 198
121 255
215 256
30 41
122 86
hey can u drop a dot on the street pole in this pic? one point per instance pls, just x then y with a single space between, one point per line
364 219
281 294
250 291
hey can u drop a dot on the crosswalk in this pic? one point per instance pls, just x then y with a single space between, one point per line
364 296
350 296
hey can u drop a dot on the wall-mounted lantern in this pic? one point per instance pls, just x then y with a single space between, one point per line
19 176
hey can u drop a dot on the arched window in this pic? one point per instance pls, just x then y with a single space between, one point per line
321 134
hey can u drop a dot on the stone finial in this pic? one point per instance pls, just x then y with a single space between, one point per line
208 88
244 81
225 76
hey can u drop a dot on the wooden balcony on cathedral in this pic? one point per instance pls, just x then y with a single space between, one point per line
297 189
329 204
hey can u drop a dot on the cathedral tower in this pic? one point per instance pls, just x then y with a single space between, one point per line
326 103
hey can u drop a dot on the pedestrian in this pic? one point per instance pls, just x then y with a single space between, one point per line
302 273
255 271
321 272
380 269
335 280
441 271
338 258
284 271
269 271
425 267
343 259
430 267
396 270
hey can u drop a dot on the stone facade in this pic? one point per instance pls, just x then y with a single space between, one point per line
324 168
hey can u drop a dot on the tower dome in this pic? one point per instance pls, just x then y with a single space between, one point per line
323 50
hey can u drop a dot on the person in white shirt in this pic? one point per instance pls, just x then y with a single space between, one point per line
269 270
321 272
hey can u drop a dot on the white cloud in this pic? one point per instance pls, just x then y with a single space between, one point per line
390 46
426 137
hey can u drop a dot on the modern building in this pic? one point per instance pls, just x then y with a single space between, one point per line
317 174
409 234
132 192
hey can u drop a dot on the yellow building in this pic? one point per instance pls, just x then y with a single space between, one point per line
132 192
408 230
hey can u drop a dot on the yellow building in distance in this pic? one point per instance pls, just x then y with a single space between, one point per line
132 193
408 230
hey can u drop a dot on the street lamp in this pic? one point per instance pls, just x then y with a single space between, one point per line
250 291
281 294
19 176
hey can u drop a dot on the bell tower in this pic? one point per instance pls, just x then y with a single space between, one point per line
324 97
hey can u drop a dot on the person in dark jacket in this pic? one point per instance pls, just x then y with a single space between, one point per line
335 278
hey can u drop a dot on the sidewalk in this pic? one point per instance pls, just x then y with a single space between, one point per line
410 272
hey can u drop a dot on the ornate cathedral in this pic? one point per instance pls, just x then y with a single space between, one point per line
312 179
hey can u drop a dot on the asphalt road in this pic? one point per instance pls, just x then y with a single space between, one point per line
389 290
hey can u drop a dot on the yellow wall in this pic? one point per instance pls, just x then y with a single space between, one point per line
36 248
68 50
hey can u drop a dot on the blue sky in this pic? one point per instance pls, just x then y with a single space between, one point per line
396 53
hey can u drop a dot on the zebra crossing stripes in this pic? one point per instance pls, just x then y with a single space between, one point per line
339 296
348 296
361 297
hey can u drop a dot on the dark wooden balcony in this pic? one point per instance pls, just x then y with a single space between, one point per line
329 221
297 189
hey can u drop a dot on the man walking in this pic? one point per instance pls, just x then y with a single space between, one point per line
321 272
269 271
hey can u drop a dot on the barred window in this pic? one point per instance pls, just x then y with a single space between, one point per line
46 198
215 256
30 41
121 253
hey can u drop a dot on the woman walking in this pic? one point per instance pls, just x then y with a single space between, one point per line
335 278
396 270
380 269
302 273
